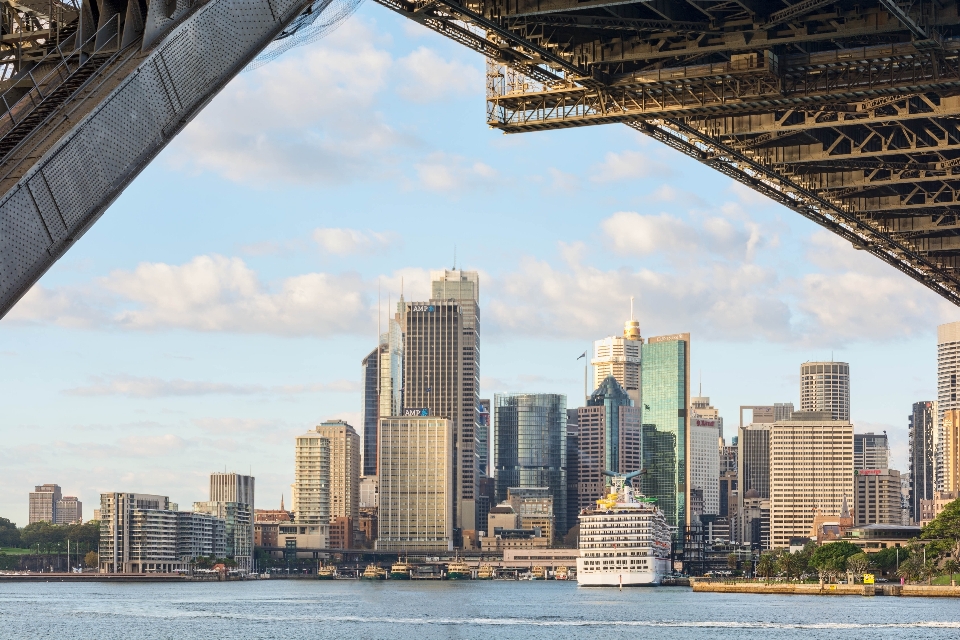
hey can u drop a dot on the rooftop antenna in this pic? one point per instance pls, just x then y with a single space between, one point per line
631 307
454 257
700 392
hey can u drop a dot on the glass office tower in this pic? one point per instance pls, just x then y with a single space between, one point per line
530 438
666 392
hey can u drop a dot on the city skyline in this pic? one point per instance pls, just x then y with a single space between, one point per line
178 352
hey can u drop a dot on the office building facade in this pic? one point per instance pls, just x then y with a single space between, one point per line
43 503
921 428
871 451
825 386
877 497
484 440
370 415
599 438
573 468
463 287
705 461
237 518
619 357
951 450
69 510
666 425
416 484
811 473
530 441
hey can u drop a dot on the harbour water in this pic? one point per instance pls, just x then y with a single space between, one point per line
308 609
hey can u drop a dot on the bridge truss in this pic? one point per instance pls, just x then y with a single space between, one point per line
847 112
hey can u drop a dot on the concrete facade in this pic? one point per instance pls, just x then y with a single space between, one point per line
877 497
825 386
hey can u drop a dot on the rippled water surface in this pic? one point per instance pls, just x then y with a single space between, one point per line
301 609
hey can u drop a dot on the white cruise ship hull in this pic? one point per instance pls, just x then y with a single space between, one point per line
626 577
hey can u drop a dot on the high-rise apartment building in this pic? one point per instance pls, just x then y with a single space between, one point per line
232 487
416 484
921 428
619 357
811 472
871 451
825 386
232 500
877 497
139 533
951 450
666 425
530 443
608 409
463 288
344 468
948 369
311 487
69 510
43 503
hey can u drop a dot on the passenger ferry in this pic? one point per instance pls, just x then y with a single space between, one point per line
538 573
486 572
625 541
328 572
400 570
458 570
561 573
373 572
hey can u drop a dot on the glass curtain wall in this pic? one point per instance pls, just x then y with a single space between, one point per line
530 431
664 430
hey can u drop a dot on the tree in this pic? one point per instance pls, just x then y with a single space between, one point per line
830 560
766 565
913 568
857 565
951 566
92 559
9 534
42 536
572 539
944 530
885 560
732 561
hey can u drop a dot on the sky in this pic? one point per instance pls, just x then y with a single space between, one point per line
222 305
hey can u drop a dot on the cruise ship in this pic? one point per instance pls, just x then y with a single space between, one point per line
625 541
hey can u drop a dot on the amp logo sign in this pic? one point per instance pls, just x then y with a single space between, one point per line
424 308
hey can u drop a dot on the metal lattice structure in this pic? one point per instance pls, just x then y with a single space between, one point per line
847 112
89 95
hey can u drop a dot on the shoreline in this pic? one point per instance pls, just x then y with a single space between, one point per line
868 590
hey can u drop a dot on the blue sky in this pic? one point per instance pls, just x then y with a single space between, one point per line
223 303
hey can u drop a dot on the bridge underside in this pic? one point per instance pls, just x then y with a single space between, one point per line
846 112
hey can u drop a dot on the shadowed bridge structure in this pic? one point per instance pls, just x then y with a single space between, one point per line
844 111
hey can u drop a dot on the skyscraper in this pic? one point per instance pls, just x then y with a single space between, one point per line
619 356
921 428
69 510
951 450
573 467
463 287
344 468
871 451
484 439
825 386
370 403
666 426
948 368
43 503
608 408
811 473
530 440
311 485
706 439
416 484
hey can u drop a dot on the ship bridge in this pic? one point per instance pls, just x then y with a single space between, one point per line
844 111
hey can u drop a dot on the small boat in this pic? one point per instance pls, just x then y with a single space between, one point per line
486 572
538 573
373 572
400 570
561 573
458 570
328 572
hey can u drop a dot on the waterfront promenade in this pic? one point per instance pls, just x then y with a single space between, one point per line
805 589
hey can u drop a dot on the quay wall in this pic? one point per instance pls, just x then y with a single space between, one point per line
782 588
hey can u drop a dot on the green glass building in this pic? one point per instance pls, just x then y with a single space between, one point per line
665 425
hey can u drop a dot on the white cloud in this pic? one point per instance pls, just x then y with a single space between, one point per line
631 233
628 165
309 117
425 77
349 241
446 173
150 387
214 293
